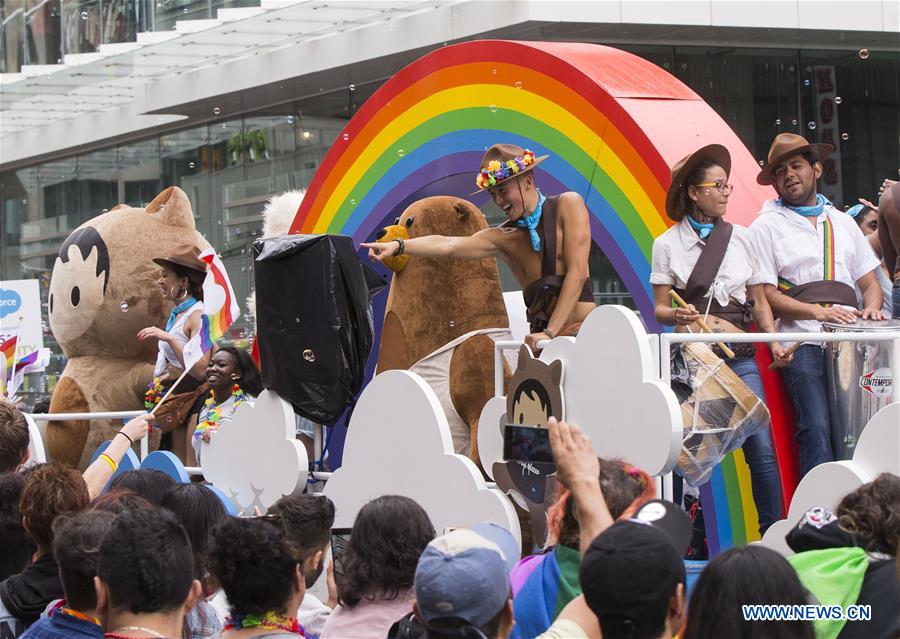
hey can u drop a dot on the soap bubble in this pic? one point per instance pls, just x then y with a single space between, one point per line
309 355
794 122
401 153
345 137
838 100
845 136
123 307
806 83
863 54
493 108
84 15
290 119
216 110
778 122
811 125
191 165
518 84
352 87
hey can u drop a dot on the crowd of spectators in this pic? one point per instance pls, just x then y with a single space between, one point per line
138 556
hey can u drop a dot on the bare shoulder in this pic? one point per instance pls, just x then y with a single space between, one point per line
571 207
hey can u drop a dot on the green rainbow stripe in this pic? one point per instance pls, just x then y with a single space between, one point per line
828 249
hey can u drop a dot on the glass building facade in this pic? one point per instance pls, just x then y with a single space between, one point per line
229 168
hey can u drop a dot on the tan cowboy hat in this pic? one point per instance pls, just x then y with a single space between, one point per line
784 146
682 169
502 153
186 257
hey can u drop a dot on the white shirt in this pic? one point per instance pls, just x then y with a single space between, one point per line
166 354
312 615
675 253
791 248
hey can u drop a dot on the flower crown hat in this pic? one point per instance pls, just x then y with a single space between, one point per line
502 162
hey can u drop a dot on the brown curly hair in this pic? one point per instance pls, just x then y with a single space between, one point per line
872 512
51 490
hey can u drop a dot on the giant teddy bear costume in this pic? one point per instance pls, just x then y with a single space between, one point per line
443 316
103 290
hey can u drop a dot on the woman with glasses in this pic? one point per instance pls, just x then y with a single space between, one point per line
713 266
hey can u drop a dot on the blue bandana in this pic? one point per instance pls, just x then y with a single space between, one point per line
530 222
179 308
854 210
703 230
807 211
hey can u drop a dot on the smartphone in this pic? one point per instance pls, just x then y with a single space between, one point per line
340 541
527 444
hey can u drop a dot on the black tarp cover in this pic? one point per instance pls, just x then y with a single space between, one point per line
314 321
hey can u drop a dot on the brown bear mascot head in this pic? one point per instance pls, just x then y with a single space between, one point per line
432 301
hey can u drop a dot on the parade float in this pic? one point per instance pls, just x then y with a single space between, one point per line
612 124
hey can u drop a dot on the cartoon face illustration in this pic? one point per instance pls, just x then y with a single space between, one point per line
79 283
531 404
534 391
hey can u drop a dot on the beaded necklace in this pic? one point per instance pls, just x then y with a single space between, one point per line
77 614
214 411
270 620
149 631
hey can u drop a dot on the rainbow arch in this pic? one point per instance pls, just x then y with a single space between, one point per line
436 117
612 123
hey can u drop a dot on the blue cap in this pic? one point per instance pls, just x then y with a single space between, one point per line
464 576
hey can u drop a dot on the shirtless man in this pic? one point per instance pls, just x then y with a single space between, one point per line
553 270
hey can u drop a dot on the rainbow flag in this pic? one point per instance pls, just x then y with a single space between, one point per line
218 298
35 361
8 351
221 310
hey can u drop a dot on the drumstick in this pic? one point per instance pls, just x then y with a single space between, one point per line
703 325
787 353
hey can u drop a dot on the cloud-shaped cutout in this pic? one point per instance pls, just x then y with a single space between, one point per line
611 389
877 451
255 458
10 301
405 448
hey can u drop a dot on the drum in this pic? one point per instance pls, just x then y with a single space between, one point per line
859 381
719 411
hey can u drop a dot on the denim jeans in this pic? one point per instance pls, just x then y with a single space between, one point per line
760 454
895 298
808 388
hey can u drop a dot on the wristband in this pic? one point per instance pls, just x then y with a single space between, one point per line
109 460
401 249
126 437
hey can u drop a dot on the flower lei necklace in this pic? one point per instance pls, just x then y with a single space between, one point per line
214 411
154 394
269 620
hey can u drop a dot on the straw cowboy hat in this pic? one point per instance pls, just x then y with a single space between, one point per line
185 256
503 162
715 153
786 145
